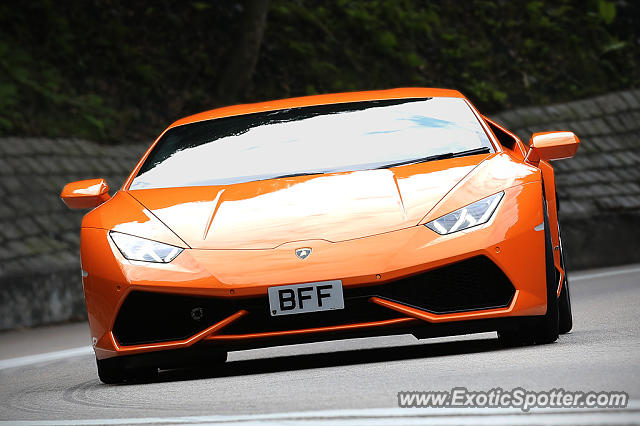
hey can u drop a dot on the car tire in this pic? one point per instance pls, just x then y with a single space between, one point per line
514 338
566 316
545 329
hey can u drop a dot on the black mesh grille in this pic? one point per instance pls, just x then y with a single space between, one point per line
471 284
147 317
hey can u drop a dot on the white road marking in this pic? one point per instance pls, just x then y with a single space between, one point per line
592 275
378 416
86 350
49 356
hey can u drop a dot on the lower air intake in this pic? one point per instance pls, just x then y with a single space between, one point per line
147 317
471 284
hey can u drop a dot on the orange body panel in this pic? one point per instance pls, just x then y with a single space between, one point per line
346 327
365 228
552 146
85 194
549 186
265 214
509 240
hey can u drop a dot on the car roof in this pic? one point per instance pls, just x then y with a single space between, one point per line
333 98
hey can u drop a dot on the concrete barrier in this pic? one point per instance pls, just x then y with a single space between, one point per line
39 237
599 189
40 280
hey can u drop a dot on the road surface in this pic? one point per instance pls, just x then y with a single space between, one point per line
344 382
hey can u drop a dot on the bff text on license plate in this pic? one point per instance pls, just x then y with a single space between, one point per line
309 297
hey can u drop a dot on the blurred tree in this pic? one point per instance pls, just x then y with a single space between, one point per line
119 71
243 55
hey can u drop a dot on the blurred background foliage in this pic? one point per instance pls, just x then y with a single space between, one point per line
119 71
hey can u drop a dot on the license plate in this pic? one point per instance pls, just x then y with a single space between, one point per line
309 297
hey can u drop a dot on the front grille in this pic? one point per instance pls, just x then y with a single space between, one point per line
147 317
472 284
356 310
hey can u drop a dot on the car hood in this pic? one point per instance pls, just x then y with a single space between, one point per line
332 207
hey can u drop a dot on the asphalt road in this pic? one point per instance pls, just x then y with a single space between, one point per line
352 381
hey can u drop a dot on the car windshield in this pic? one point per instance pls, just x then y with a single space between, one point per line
310 140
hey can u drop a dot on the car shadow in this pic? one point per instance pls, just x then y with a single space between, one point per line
277 364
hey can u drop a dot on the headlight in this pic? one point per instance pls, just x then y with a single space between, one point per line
136 248
472 215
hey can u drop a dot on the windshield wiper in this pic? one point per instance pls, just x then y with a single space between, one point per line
475 151
296 174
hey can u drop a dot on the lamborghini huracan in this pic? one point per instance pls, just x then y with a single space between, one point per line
324 217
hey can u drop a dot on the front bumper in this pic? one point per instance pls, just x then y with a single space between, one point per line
498 272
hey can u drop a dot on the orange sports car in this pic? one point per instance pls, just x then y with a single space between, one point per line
320 218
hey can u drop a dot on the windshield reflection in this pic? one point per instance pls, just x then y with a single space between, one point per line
320 139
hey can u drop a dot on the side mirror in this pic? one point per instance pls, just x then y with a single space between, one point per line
551 146
85 194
